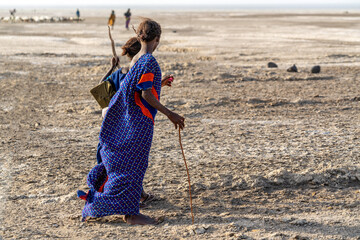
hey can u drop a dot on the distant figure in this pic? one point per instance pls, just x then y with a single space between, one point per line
78 14
111 21
12 14
127 18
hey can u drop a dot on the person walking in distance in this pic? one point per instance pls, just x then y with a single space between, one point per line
78 14
127 18
111 20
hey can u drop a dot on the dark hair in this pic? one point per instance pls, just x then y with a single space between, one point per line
131 47
148 30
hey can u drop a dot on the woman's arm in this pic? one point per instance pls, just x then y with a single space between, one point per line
114 64
174 117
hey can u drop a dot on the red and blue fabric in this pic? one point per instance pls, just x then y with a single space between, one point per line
125 137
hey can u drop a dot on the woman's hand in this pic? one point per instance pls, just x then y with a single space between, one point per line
176 119
115 62
104 110
167 80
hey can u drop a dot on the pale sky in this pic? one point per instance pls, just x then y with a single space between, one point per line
172 2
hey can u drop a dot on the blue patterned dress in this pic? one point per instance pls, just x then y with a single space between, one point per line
115 79
126 135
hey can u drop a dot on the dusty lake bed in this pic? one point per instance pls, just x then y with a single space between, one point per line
272 154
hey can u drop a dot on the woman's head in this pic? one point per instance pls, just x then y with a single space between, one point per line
131 47
148 30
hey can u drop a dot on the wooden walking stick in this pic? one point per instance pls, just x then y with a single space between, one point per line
112 44
187 170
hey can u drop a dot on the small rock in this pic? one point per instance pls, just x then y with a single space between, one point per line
293 68
200 230
36 124
272 65
230 234
280 236
286 220
299 222
298 237
302 179
315 69
248 79
244 237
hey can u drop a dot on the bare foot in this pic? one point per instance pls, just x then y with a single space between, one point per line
144 195
145 199
140 219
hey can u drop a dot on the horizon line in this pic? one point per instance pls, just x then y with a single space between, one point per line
218 6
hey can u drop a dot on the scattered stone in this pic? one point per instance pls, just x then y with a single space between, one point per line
298 237
356 99
279 236
272 65
315 69
300 222
302 179
293 68
244 237
286 220
231 234
248 79
200 230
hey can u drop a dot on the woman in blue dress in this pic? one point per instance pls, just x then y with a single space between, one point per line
130 49
126 136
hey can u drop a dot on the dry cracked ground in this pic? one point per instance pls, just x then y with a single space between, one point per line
272 154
